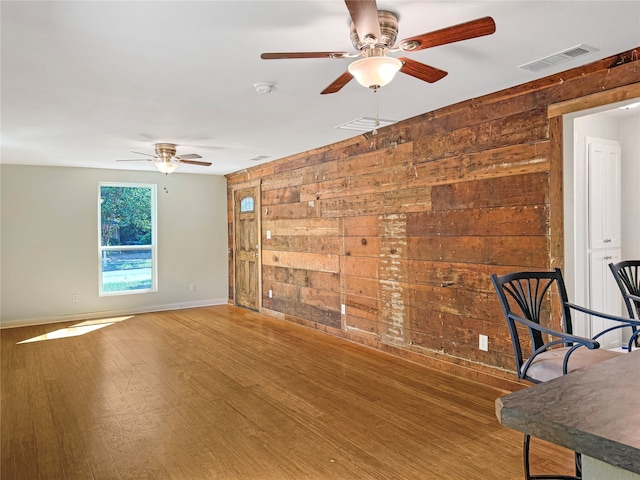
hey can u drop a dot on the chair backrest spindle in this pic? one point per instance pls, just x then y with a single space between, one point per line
627 276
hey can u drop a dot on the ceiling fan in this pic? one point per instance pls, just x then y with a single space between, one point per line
166 159
373 35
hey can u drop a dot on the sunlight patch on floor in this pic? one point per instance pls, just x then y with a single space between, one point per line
77 329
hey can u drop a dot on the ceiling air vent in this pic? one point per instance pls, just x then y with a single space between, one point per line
557 58
366 124
259 158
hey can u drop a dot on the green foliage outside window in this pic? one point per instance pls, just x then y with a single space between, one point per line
125 215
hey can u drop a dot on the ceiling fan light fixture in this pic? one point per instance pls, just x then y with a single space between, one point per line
375 72
166 167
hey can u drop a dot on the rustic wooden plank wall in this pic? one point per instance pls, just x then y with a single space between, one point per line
405 227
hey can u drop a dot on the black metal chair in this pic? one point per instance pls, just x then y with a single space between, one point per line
529 300
627 275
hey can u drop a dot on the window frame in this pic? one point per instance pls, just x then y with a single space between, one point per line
153 247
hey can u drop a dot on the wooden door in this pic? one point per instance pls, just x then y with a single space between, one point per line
247 247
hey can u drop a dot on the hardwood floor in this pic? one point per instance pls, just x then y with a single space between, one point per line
225 393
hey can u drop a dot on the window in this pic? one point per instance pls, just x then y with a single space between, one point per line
246 204
127 238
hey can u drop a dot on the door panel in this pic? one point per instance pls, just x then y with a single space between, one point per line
247 247
604 196
605 295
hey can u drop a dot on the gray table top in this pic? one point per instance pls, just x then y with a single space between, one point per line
594 411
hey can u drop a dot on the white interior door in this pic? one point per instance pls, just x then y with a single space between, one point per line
604 195
604 232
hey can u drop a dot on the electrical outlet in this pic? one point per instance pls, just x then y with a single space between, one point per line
270 293
74 297
483 342
268 234
192 287
343 309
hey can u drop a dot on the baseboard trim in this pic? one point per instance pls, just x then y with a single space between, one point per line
110 313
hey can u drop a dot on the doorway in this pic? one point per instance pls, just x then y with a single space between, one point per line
581 266
246 240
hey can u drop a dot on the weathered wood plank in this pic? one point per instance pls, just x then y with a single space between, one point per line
408 199
592 81
298 243
301 260
302 278
531 189
281 180
362 246
241 176
527 220
386 225
363 307
556 194
320 315
359 266
380 180
465 303
291 210
471 112
522 128
526 251
358 174
279 196
352 206
507 161
308 227
285 243
360 286
474 277
385 139
444 274
320 298
326 244
321 155
599 99
281 290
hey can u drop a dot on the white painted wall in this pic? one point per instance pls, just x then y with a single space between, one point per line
49 239
630 147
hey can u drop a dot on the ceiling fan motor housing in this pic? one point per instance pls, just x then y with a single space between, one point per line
388 29
166 151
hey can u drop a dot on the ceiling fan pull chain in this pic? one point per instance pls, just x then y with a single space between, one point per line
376 120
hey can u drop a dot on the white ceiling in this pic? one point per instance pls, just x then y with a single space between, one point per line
85 82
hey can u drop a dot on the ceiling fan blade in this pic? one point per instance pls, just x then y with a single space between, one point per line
421 71
188 156
276 56
364 14
338 83
456 33
194 162
147 154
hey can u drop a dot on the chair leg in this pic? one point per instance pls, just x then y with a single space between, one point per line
525 455
526 447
